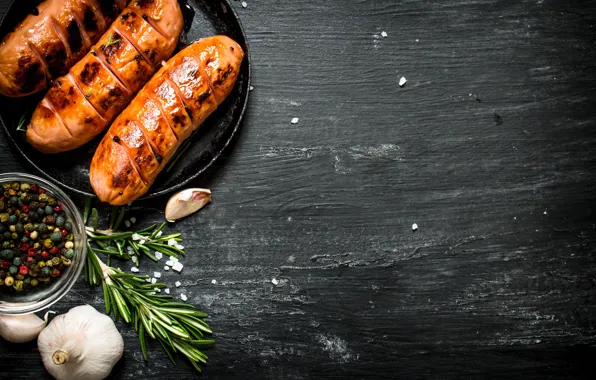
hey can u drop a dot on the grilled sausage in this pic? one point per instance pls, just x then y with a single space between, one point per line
50 40
84 102
174 103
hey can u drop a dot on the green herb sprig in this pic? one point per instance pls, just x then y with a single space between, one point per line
178 327
23 121
111 40
127 244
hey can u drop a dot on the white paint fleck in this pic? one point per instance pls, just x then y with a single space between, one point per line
402 81
295 120
134 269
274 281
384 34
214 281
336 347
244 4
414 227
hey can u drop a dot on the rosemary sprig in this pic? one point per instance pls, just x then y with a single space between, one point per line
178 327
111 40
128 244
23 121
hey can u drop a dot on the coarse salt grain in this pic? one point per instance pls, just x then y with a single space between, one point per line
274 281
294 120
214 282
134 269
135 260
127 223
166 291
136 236
177 283
384 34
172 242
133 220
178 266
159 234
402 81
170 263
183 297
179 246
166 268
244 5
157 274
251 88
153 280
158 255
414 227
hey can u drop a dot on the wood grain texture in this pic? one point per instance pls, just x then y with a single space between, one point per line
489 148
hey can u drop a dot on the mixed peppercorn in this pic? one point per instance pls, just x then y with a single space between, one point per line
36 240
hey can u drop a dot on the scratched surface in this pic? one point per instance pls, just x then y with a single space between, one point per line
489 148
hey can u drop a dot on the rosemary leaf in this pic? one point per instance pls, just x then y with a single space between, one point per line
94 219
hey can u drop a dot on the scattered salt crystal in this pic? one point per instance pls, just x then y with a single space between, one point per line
133 220
142 241
159 234
166 268
295 120
172 242
157 290
157 274
135 260
183 297
136 236
274 281
129 248
214 282
545 213
177 283
174 259
158 255
178 266
251 88
402 81
163 63
179 246
170 263
127 223
148 280
153 280
244 5
414 227
384 34
134 269
166 291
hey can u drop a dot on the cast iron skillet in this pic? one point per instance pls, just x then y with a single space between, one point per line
71 169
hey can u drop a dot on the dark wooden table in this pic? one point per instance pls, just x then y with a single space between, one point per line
489 148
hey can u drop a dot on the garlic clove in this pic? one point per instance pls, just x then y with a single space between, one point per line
186 202
20 328
81 344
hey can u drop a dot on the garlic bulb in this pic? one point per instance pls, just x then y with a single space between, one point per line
81 344
20 328
186 202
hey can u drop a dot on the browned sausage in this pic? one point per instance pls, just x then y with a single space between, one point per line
84 102
174 103
50 40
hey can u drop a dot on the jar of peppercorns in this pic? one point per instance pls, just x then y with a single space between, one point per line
42 243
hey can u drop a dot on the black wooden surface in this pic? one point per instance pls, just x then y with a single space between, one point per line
488 148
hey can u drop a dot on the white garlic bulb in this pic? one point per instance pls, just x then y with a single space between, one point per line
186 202
20 328
81 344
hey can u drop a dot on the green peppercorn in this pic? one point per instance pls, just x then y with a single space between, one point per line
25 186
43 197
6 244
48 243
55 261
13 201
13 219
66 261
33 216
24 218
52 202
69 237
14 236
2 228
7 254
34 205
25 198
68 226
56 237
15 186
60 221
16 261
40 212
7 235
18 286
25 239
28 227
42 228
48 210
27 281
19 277
45 272
13 269
69 254
9 280
2 274
1 204
19 228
